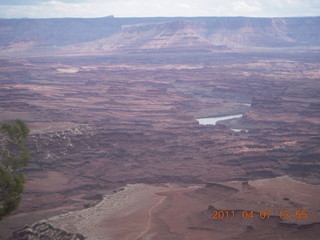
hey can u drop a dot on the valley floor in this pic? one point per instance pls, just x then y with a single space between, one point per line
99 123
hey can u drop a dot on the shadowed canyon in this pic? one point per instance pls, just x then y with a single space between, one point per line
117 151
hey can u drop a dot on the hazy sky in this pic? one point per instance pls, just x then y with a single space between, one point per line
152 8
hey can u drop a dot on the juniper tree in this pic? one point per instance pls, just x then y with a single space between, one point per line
14 156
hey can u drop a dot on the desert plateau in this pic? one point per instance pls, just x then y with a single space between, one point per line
119 149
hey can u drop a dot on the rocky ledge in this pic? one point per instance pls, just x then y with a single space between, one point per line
44 231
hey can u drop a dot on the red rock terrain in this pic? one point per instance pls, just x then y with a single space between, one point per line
100 122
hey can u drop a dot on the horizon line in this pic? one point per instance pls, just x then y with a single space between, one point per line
114 17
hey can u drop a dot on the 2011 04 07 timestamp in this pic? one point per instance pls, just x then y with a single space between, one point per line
244 214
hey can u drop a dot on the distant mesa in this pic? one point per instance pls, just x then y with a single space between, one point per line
76 35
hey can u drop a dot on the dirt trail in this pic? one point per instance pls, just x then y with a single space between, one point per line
148 227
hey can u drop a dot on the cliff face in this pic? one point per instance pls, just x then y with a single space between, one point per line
223 33
129 34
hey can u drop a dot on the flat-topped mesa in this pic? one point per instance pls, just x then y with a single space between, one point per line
131 34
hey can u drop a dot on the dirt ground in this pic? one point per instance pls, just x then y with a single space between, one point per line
170 211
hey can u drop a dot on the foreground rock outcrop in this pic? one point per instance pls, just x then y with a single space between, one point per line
44 231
